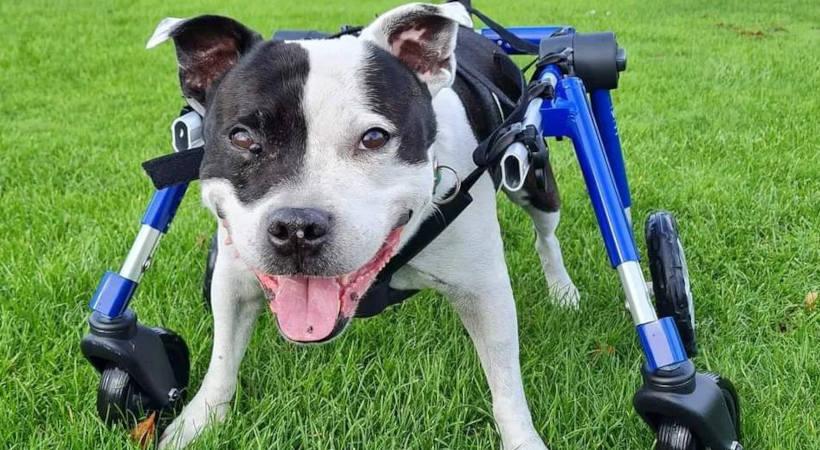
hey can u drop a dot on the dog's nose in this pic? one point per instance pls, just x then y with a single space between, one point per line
297 230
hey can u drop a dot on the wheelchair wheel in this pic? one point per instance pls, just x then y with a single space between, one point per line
670 276
209 271
119 399
674 436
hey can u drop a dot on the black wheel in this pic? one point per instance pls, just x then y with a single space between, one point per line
119 400
674 436
209 270
670 276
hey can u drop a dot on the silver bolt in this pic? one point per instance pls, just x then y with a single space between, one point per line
174 394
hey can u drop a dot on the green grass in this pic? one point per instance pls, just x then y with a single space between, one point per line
719 118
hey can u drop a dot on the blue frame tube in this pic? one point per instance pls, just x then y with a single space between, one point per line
163 207
601 185
604 114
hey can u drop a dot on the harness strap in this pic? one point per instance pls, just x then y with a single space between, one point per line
515 42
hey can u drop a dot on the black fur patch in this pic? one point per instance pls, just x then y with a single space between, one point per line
478 52
396 93
263 94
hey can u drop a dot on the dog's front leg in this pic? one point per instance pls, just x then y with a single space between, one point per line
487 311
235 304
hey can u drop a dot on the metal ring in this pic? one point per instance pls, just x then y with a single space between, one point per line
452 196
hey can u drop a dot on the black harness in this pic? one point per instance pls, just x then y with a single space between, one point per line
183 166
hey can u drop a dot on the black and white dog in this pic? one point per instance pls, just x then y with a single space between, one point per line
319 165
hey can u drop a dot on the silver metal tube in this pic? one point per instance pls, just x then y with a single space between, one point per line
140 254
637 297
515 164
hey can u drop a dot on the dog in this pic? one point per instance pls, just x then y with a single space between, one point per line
320 163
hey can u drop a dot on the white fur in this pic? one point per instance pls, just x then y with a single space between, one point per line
561 287
466 262
235 303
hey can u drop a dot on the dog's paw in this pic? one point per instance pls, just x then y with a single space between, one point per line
534 442
195 417
565 295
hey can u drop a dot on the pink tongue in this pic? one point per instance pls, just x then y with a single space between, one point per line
307 308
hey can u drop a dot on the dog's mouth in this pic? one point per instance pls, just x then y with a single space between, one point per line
315 309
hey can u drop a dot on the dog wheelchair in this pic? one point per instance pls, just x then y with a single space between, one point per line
146 369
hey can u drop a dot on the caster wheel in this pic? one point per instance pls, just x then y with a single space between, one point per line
209 271
674 436
670 276
119 400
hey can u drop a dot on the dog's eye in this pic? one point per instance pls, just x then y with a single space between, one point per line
241 138
373 139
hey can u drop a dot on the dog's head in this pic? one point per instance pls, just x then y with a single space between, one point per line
317 153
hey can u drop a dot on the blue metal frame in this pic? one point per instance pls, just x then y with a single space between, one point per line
661 343
163 207
589 121
113 294
604 113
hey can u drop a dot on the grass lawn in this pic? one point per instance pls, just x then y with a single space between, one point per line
719 118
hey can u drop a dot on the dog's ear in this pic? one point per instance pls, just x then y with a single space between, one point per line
422 36
206 46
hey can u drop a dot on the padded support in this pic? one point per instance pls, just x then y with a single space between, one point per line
174 168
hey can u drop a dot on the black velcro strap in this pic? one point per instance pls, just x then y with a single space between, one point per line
174 168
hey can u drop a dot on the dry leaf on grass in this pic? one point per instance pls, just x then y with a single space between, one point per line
603 349
145 432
